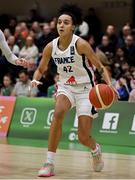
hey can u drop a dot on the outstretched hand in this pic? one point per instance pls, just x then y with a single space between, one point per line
23 62
35 83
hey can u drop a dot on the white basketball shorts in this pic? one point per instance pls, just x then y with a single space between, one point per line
78 96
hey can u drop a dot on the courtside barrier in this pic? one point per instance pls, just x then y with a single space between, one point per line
32 119
6 110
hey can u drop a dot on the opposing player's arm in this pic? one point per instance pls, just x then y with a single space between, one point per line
6 50
83 47
44 62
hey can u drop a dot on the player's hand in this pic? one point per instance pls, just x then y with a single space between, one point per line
22 62
35 83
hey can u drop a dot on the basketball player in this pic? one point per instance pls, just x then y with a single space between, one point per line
72 56
8 53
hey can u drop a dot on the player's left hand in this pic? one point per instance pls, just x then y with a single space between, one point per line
23 62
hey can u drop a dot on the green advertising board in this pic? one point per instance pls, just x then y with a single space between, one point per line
32 119
116 125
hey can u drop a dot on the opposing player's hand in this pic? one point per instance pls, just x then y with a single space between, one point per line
23 62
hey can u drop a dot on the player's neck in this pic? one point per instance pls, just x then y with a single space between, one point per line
64 42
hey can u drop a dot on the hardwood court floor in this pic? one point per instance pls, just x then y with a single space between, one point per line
22 162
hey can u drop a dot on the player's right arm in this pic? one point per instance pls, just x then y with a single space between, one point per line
47 52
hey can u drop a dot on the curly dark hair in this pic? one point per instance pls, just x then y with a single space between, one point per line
72 10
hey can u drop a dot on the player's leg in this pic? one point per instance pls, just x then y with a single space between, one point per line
84 128
84 136
86 112
62 105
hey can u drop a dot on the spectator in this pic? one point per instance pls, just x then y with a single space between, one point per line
132 81
120 57
132 96
12 24
126 30
99 53
130 47
106 47
7 85
20 40
113 81
37 29
53 27
22 87
7 33
45 38
51 92
118 61
30 52
123 89
24 30
14 47
110 32
83 29
91 41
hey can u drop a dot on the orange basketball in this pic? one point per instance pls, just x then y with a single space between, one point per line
101 96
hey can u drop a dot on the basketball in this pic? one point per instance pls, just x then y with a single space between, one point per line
101 96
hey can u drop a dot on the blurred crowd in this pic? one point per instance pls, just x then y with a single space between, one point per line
27 39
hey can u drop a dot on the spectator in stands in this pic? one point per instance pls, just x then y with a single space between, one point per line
45 38
12 24
30 52
53 27
118 61
14 47
24 30
123 89
125 67
126 30
127 75
113 81
120 57
110 32
132 96
132 81
22 86
130 47
51 92
37 29
7 87
106 47
83 29
99 53
7 33
91 41
20 40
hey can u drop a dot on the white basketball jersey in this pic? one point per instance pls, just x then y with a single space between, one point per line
72 68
